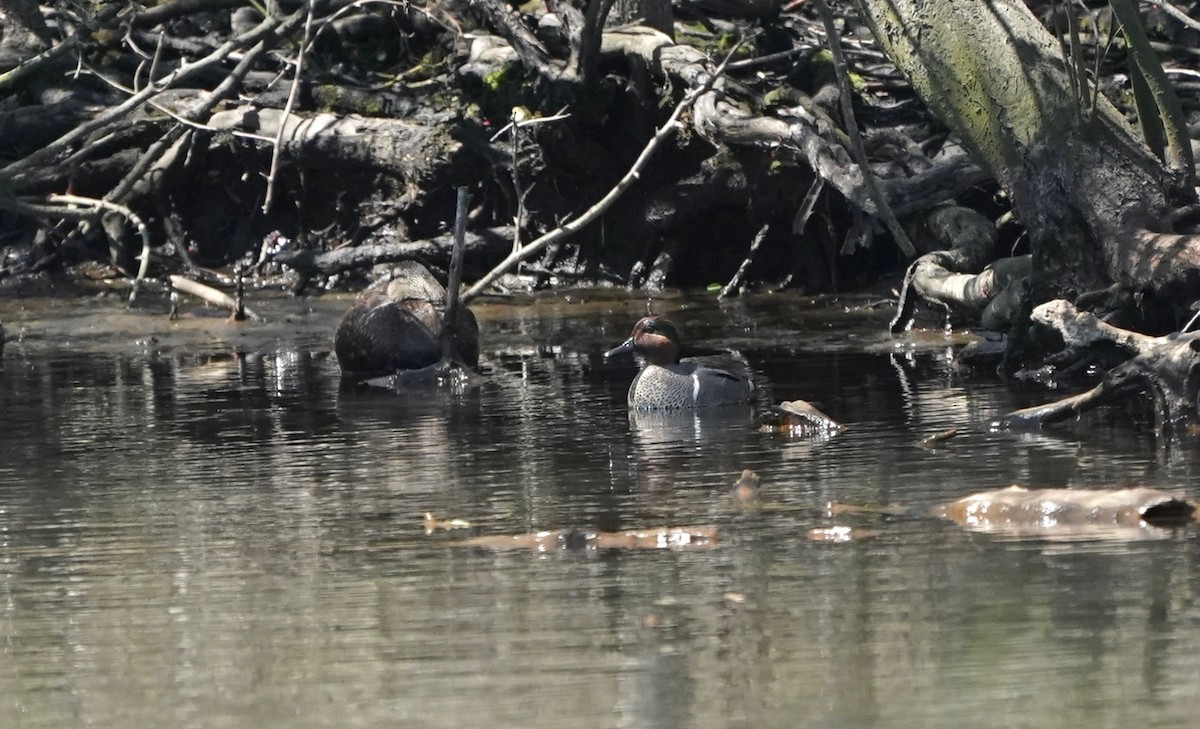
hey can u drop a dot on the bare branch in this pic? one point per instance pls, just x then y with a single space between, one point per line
574 226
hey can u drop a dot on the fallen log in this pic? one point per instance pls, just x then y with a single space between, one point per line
563 540
483 247
1130 513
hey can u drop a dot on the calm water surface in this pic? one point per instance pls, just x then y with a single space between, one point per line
200 528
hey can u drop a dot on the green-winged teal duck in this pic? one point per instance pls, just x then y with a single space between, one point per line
396 324
668 382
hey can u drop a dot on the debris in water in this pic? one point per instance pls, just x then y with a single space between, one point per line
745 491
559 540
1129 513
800 419
840 534
932 441
433 524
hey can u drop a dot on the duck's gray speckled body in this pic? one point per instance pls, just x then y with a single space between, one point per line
666 382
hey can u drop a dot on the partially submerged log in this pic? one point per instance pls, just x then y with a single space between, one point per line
238 310
1056 514
1169 367
1130 513
563 540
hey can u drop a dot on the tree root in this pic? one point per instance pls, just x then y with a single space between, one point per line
403 158
1168 366
939 277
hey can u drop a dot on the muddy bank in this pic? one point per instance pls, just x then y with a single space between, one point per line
97 319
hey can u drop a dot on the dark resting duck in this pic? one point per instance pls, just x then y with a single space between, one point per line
667 382
395 325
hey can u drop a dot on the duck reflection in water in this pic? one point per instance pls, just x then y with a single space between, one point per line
395 325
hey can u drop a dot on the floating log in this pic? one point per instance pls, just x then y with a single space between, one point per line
561 540
1080 513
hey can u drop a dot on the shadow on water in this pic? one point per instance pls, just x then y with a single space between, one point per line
200 526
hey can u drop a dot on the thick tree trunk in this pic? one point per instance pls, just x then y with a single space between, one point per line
1090 193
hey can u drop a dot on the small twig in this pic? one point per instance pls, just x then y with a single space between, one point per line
132 217
209 294
1174 12
185 71
1073 57
69 207
10 78
747 64
736 281
1188 327
563 114
906 302
513 128
574 226
810 203
181 118
450 318
856 145
287 108
1100 56
514 139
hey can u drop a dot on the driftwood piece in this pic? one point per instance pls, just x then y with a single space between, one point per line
840 533
414 148
1083 329
799 418
1168 366
238 311
561 540
1130 513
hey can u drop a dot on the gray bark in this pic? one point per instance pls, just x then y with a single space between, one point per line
1090 193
